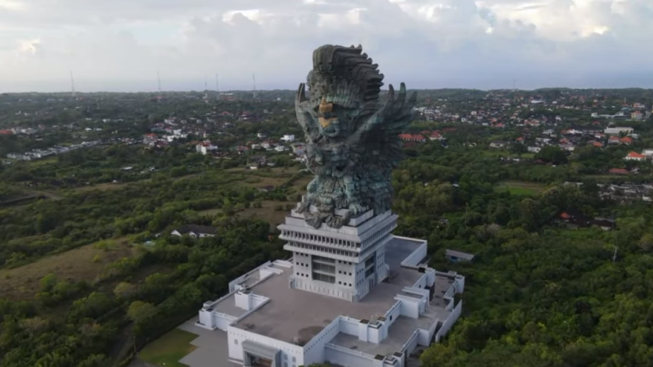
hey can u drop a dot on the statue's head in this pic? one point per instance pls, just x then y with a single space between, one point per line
344 86
329 119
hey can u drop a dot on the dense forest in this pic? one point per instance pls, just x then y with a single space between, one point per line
539 293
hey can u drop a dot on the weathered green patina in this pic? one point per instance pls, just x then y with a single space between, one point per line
352 137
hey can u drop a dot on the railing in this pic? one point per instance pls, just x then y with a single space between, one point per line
349 351
412 340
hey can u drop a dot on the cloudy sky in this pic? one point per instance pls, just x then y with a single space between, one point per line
120 45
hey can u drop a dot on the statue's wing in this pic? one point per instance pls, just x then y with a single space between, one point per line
306 115
390 119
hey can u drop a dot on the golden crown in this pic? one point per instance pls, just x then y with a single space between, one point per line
325 107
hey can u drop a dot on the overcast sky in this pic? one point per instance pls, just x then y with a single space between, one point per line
119 45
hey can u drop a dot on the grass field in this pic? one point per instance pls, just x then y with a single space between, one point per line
169 349
42 162
257 178
276 176
267 212
83 263
102 186
521 188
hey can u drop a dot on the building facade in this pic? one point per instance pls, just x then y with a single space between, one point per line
353 296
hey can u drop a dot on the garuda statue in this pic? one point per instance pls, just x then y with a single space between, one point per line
352 137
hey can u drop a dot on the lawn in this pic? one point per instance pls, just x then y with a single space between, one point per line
268 212
83 263
276 176
521 188
169 349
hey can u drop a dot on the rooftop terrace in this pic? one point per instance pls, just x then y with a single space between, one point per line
285 316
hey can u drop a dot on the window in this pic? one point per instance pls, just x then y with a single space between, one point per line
236 341
294 360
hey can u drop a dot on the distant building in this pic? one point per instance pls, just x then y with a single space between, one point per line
299 149
206 148
456 256
288 138
634 156
498 144
619 171
195 231
412 137
618 130
637 115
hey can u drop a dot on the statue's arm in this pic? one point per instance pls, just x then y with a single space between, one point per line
306 116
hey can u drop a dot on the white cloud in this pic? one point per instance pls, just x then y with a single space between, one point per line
120 44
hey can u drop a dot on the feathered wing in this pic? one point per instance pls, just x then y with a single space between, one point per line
379 136
382 128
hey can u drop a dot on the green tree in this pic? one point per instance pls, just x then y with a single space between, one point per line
140 311
552 154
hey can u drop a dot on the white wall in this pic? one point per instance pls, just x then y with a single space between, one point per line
237 336
411 343
233 283
243 300
409 306
413 259
448 323
314 349
222 321
323 288
424 337
349 326
347 357
391 316
206 319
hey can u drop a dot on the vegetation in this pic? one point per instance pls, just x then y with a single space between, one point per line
88 266
168 349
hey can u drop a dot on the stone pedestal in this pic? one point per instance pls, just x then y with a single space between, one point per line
344 262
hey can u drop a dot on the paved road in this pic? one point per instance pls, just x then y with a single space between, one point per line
138 363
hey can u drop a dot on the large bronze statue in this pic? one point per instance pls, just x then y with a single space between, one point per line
352 138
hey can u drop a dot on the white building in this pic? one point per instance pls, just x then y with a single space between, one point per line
634 156
206 148
355 296
288 138
618 130
194 231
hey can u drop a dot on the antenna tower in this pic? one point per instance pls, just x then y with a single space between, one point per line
217 87
254 86
158 79
206 89
72 84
